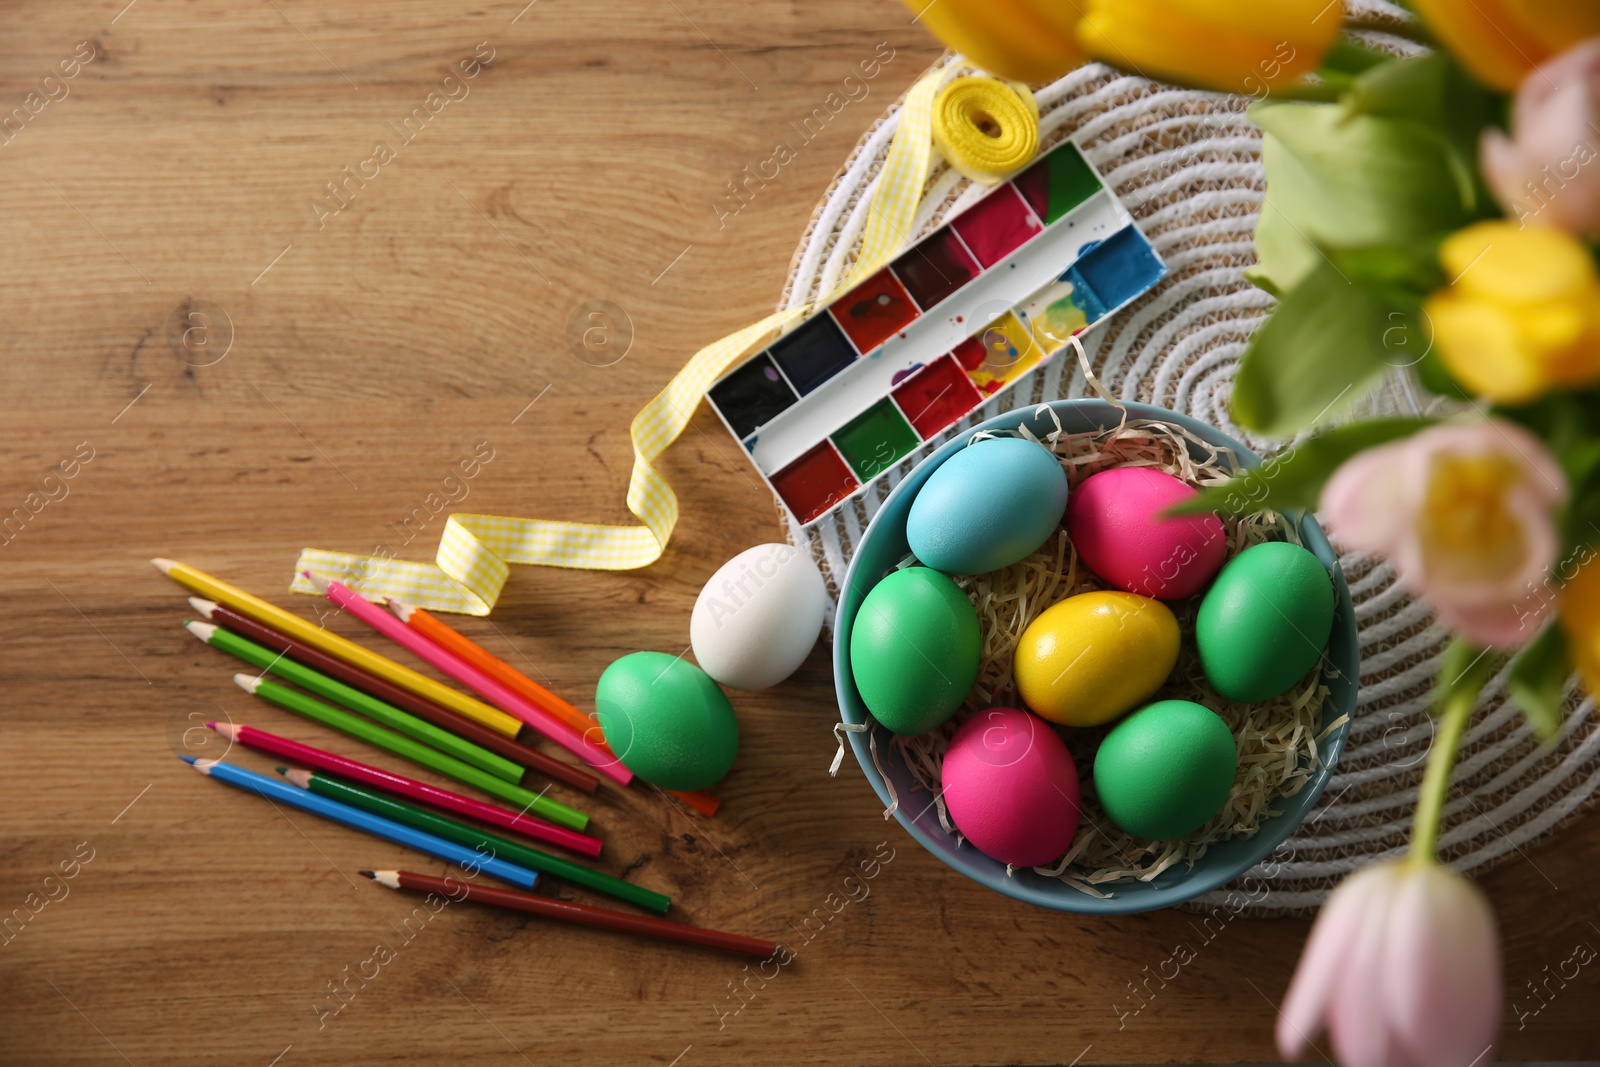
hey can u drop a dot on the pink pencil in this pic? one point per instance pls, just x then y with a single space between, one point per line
410 788
515 704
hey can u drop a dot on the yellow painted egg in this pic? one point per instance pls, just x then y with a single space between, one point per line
1095 656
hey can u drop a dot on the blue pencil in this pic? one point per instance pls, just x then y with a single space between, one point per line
273 789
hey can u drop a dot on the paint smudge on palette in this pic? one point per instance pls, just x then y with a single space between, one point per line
815 482
954 320
874 311
936 267
872 441
937 395
997 225
813 353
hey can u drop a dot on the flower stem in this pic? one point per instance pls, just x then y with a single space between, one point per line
1436 779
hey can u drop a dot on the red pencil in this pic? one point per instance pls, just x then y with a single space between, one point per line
390 693
581 914
410 788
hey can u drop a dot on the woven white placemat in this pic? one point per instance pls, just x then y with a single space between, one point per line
1188 166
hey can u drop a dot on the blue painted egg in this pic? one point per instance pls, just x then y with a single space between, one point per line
988 506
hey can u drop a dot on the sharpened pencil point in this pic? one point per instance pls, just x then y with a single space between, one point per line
318 582
401 609
226 729
203 606
164 565
390 879
297 777
202 630
187 759
249 683
366 874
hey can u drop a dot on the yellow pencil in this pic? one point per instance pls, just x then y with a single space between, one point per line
357 656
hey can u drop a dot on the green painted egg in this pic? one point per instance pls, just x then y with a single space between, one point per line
1166 769
667 721
914 649
1264 622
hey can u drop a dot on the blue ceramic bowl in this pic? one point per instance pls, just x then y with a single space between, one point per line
884 545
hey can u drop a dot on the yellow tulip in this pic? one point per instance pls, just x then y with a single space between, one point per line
1523 314
1500 41
1580 620
1021 40
1234 46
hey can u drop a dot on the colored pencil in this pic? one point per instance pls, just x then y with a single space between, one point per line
370 732
386 624
471 652
409 788
483 842
581 914
357 701
272 789
294 626
463 647
389 693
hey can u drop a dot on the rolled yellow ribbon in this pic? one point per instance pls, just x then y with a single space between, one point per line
988 129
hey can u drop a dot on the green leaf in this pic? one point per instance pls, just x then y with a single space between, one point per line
1413 267
1320 350
1433 91
1538 682
1294 477
1346 180
1284 255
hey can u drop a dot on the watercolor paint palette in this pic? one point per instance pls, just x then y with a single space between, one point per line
958 318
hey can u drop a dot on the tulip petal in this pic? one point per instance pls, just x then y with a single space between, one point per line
1358 1014
1365 502
1323 961
1442 981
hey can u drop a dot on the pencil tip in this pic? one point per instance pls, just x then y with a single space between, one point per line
366 874
164 565
318 582
203 606
297 777
187 759
202 630
401 609
249 683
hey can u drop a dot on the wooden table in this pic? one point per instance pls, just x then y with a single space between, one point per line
233 363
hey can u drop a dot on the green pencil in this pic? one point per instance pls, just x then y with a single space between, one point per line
357 701
370 732
488 844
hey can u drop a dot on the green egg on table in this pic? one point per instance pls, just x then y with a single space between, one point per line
1264 622
667 721
1165 770
914 649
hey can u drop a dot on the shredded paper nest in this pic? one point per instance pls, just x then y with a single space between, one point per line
1277 740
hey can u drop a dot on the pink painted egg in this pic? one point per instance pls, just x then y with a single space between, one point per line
1011 787
1112 520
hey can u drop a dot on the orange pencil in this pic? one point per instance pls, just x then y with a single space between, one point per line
469 650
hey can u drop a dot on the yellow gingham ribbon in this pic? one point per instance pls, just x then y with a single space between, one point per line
475 551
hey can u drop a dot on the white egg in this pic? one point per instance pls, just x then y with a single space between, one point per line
758 617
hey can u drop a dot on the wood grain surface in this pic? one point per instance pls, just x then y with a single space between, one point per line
231 372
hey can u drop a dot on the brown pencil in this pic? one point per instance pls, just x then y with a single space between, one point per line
581 914
389 693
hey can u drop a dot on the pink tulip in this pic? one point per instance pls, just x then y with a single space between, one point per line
1465 512
1547 172
1402 967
